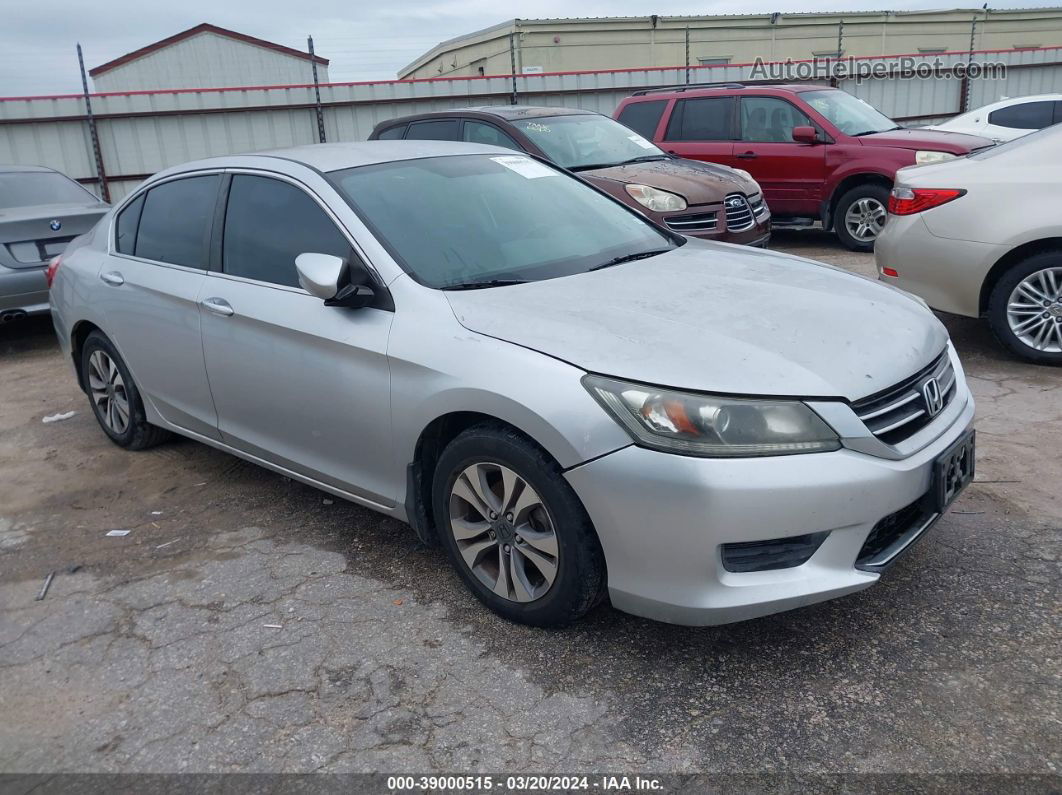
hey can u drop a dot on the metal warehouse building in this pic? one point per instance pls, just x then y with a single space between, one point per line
207 56
566 45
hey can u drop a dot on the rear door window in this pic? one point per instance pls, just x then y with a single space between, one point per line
392 133
1027 116
268 223
434 130
175 221
478 132
643 117
702 119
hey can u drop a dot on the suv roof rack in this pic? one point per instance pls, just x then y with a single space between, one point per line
686 87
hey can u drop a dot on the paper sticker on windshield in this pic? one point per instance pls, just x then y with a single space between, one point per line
644 144
525 166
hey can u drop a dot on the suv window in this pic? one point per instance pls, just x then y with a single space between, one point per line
1027 116
175 221
702 119
268 223
391 133
770 120
125 227
478 132
643 117
434 130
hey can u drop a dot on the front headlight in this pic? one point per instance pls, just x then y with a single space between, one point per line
655 199
927 156
708 426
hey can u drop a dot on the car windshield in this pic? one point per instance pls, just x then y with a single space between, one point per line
587 141
32 188
848 114
475 219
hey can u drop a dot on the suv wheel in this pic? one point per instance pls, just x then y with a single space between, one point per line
516 532
114 397
860 216
1025 308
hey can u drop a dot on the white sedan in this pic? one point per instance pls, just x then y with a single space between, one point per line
1007 119
980 236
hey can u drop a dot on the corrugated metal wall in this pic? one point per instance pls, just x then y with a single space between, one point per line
143 132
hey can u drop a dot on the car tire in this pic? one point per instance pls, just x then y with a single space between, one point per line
114 398
502 460
875 199
1007 324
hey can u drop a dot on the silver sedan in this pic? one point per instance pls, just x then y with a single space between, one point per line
981 236
571 400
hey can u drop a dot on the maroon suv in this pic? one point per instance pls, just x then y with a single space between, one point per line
818 152
697 199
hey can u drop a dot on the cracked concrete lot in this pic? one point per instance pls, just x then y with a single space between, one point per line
249 623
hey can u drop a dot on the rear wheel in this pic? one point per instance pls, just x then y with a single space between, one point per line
1025 308
114 397
515 530
860 216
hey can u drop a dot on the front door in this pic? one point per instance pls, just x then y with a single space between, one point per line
299 384
791 174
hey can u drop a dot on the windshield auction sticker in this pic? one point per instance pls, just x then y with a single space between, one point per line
525 166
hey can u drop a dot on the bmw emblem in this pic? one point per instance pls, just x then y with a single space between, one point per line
56 225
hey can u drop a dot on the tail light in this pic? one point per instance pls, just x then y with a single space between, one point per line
53 268
908 201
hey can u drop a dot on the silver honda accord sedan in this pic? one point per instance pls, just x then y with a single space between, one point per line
571 400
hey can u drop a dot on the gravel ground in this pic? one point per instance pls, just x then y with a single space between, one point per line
250 623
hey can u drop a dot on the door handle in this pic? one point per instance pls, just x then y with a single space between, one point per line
113 278
746 156
219 306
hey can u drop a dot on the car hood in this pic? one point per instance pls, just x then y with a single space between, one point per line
699 183
718 318
922 138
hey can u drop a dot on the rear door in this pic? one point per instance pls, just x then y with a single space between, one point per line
296 383
153 277
702 128
791 174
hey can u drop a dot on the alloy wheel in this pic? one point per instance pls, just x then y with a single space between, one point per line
865 219
504 532
1034 310
108 392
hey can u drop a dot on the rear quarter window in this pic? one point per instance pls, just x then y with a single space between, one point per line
643 117
1027 116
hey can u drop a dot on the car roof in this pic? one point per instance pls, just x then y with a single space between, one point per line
338 156
506 112
8 169
1021 100
710 89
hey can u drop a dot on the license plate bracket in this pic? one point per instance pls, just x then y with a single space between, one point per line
953 471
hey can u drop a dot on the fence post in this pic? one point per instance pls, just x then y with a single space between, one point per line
512 66
101 175
316 91
687 55
840 48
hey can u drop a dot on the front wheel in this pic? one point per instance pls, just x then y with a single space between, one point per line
515 530
860 216
1025 308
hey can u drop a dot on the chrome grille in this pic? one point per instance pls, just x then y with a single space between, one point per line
738 213
901 411
698 222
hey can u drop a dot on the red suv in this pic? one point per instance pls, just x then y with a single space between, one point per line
818 152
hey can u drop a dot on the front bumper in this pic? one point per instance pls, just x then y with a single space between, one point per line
663 519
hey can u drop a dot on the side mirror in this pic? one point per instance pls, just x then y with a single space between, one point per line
805 135
331 279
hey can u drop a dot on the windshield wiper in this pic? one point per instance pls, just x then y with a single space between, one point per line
871 132
642 159
629 258
481 285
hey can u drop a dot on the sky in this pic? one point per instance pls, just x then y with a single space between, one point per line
363 40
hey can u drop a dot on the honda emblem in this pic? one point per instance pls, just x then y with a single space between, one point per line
932 395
